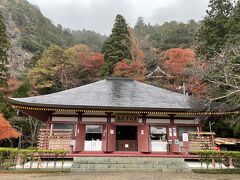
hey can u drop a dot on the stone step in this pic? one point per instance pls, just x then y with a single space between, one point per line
129 164
123 166
113 160
131 169
117 169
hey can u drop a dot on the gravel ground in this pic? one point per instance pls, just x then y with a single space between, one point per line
116 176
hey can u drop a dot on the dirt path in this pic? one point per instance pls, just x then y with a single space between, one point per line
118 176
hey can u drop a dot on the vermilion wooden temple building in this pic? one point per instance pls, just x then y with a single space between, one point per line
113 115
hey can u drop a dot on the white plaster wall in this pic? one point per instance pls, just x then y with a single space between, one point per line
70 119
165 121
73 143
95 113
188 121
112 119
65 112
94 119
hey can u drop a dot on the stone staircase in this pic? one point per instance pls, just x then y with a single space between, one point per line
129 164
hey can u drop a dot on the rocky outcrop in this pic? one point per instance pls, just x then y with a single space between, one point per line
18 57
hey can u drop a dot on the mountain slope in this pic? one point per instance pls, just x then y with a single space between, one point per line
30 33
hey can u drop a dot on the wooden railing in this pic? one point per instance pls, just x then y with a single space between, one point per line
55 139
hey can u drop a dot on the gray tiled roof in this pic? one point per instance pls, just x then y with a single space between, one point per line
112 93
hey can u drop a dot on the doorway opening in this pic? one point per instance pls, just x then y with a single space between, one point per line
126 138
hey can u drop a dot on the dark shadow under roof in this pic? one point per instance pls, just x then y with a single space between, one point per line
112 93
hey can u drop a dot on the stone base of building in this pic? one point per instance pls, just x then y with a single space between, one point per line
130 164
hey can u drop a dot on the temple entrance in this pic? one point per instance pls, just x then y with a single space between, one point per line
126 138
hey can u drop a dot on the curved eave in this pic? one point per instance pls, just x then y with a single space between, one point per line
54 107
147 110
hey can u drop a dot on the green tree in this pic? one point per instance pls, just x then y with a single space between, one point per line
51 71
4 45
90 38
236 129
24 90
234 25
213 33
140 27
117 46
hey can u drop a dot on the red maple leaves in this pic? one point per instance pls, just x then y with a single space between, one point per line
180 65
136 70
6 130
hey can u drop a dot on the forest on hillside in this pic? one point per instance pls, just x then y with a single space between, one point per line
200 59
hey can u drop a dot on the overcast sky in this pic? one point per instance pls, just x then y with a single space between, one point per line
99 15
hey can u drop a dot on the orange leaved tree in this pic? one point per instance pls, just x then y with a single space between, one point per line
176 60
180 64
136 70
6 130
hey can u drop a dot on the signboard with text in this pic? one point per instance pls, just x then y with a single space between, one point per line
126 117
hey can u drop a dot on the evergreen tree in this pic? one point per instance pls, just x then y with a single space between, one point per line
234 25
117 46
212 35
23 90
4 45
140 27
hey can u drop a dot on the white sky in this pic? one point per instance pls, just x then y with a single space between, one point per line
99 15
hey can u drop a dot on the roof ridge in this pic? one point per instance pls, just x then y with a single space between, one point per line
119 78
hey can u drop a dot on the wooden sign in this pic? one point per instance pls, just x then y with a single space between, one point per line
126 118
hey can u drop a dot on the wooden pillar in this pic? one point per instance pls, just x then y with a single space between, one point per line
172 135
105 135
144 118
200 125
80 134
49 121
143 136
109 135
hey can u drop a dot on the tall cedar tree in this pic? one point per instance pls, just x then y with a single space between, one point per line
234 25
117 46
213 33
4 45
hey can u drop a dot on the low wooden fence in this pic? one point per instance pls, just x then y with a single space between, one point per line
29 159
55 139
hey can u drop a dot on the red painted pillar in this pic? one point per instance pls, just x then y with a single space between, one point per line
109 135
172 136
111 138
104 138
80 134
143 136
49 121
185 142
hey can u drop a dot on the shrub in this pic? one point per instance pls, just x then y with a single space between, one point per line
8 156
223 157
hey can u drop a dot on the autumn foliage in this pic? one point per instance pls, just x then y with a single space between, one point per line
6 131
61 69
177 59
179 64
12 85
93 62
136 70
